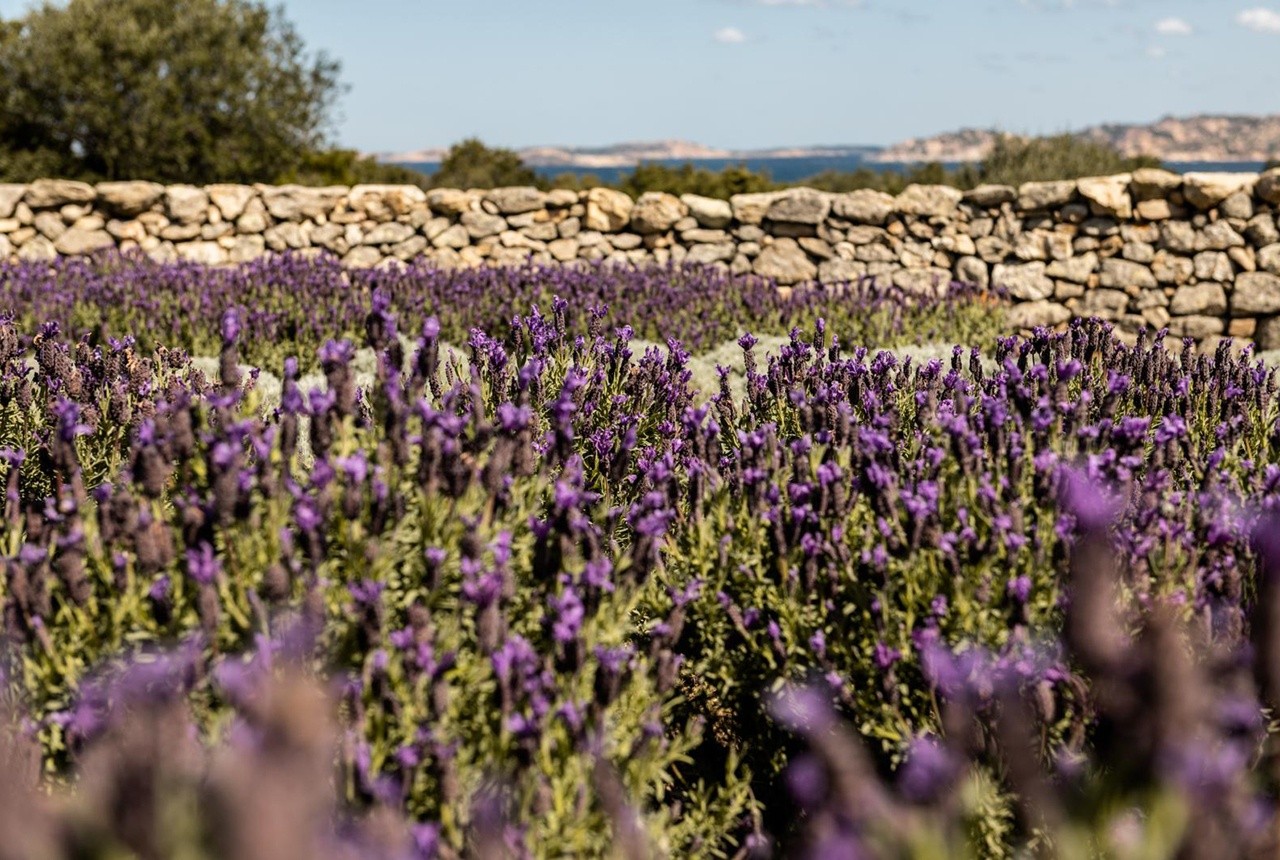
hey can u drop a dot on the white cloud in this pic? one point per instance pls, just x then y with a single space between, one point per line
1173 27
1260 20
729 36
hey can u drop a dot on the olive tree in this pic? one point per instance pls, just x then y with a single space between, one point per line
168 90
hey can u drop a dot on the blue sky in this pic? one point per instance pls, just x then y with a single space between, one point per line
754 73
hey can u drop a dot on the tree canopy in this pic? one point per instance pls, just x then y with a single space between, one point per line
471 164
168 90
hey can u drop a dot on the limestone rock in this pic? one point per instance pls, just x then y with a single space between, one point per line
1267 334
180 232
246 248
231 200
1074 269
1045 195
390 233
607 210
1152 183
1178 236
656 212
1206 190
363 257
296 202
561 198
10 196
130 198
1255 293
864 206
251 223
186 204
1036 313
384 202
1207 298
928 201
799 206
482 224
1267 187
709 212
569 227
1154 210
515 200
972 270
815 247
702 236
836 271
1268 258
1261 230
77 243
1026 281
1108 194
127 230
991 196
1212 266
711 253
625 241
563 249
207 253
450 201
543 231
786 262
412 247
331 236
1243 258
1171 268
1122 274
1238 205
923 282
1197 327
1218 236
455 237
1103 303
52 193
1031 246
37 248
50 225
751 208
1138 252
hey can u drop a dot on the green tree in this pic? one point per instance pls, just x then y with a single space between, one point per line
347 167
1014 160
471 164
687 179
170 90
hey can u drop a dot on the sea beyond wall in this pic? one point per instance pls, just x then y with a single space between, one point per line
1197 253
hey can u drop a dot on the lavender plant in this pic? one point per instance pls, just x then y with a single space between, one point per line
556 586
290 305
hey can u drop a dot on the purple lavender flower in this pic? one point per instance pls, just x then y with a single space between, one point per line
203 565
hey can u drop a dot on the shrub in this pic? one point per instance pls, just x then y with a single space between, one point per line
168 90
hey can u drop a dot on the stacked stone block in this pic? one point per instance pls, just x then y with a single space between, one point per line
1198 253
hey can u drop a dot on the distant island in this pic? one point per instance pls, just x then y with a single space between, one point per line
1210 138
1204 138
626 155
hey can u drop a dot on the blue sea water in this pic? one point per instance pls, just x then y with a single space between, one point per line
795 169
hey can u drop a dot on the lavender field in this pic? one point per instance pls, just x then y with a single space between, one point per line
308 562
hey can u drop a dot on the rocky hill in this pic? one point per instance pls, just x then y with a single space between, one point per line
631 154
1196 138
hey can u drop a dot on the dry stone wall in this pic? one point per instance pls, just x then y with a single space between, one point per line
1196 253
